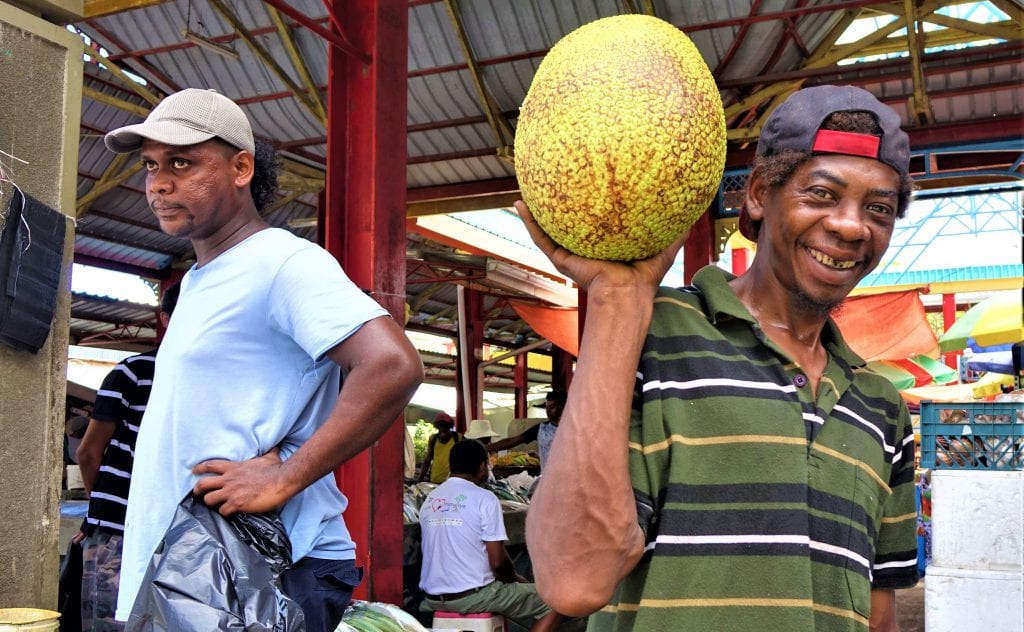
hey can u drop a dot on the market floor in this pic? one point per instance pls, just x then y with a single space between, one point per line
910 608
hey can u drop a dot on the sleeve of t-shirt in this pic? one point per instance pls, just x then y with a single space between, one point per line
112 395
647 468
895 563
531 433
314 302
492 524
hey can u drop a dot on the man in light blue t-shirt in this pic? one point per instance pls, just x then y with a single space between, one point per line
245 409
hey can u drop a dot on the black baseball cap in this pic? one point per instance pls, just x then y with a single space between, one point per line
795 125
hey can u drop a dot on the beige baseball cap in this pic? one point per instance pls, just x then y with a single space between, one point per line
188 117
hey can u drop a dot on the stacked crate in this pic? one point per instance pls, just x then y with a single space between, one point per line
975 580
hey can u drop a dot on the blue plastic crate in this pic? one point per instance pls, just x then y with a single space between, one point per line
972 435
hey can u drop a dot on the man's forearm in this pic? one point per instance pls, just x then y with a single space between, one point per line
366 408
587 472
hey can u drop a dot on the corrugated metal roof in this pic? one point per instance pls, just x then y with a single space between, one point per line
747 45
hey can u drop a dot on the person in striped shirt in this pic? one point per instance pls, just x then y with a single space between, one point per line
106 456
725 460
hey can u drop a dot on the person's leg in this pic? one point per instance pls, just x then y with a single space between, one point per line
517 601
88 581
323 588
101 574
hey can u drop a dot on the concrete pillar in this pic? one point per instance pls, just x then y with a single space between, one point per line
41 87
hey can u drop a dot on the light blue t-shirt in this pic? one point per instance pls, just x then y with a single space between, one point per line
242 369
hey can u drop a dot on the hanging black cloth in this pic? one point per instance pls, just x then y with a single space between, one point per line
31 251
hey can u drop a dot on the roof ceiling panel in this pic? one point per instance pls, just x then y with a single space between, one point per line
109 251
463 170
442 96
507 39
435 45
450 139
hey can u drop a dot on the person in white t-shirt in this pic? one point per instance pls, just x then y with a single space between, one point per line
466 568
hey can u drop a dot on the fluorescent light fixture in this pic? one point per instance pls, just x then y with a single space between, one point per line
209 44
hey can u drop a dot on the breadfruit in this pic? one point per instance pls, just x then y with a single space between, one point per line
620 143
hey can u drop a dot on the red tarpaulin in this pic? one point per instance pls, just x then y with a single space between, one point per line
560 325
889 326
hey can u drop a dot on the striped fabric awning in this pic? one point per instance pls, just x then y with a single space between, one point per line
914 372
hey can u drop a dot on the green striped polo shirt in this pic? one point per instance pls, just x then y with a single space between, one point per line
766 506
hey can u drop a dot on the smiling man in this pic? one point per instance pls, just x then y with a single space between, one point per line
245 409
750 473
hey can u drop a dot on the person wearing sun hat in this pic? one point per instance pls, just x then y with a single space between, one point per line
248 411
751 473
480 429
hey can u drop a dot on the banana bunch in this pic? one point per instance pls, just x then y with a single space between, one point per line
374 616
515 459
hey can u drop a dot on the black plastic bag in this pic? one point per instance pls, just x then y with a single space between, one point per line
217 573
69 591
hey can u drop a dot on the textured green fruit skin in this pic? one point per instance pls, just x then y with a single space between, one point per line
620 144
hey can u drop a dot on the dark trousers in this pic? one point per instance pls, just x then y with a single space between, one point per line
323 588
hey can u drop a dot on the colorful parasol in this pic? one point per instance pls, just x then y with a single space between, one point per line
997 320
990 384
993 362
914 372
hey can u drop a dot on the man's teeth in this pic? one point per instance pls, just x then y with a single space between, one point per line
830 262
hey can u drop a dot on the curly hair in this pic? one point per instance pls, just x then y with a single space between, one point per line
264 178
778 168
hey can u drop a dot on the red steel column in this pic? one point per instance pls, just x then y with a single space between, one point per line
948 318
522 384
364 227
699 248
739 261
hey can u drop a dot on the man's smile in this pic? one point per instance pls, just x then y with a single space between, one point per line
826 260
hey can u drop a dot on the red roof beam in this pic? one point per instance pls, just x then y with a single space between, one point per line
338 39
463 190
117 266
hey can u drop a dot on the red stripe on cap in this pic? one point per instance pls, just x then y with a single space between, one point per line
835 142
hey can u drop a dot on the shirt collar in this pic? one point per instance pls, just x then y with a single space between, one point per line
721 300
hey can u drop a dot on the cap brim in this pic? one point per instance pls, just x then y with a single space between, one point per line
129 138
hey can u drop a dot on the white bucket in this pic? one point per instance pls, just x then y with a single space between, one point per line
75 477
25 619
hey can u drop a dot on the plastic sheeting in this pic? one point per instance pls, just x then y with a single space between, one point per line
217 573
560 325
889 326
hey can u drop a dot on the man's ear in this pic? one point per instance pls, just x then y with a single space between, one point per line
756 195
243 164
